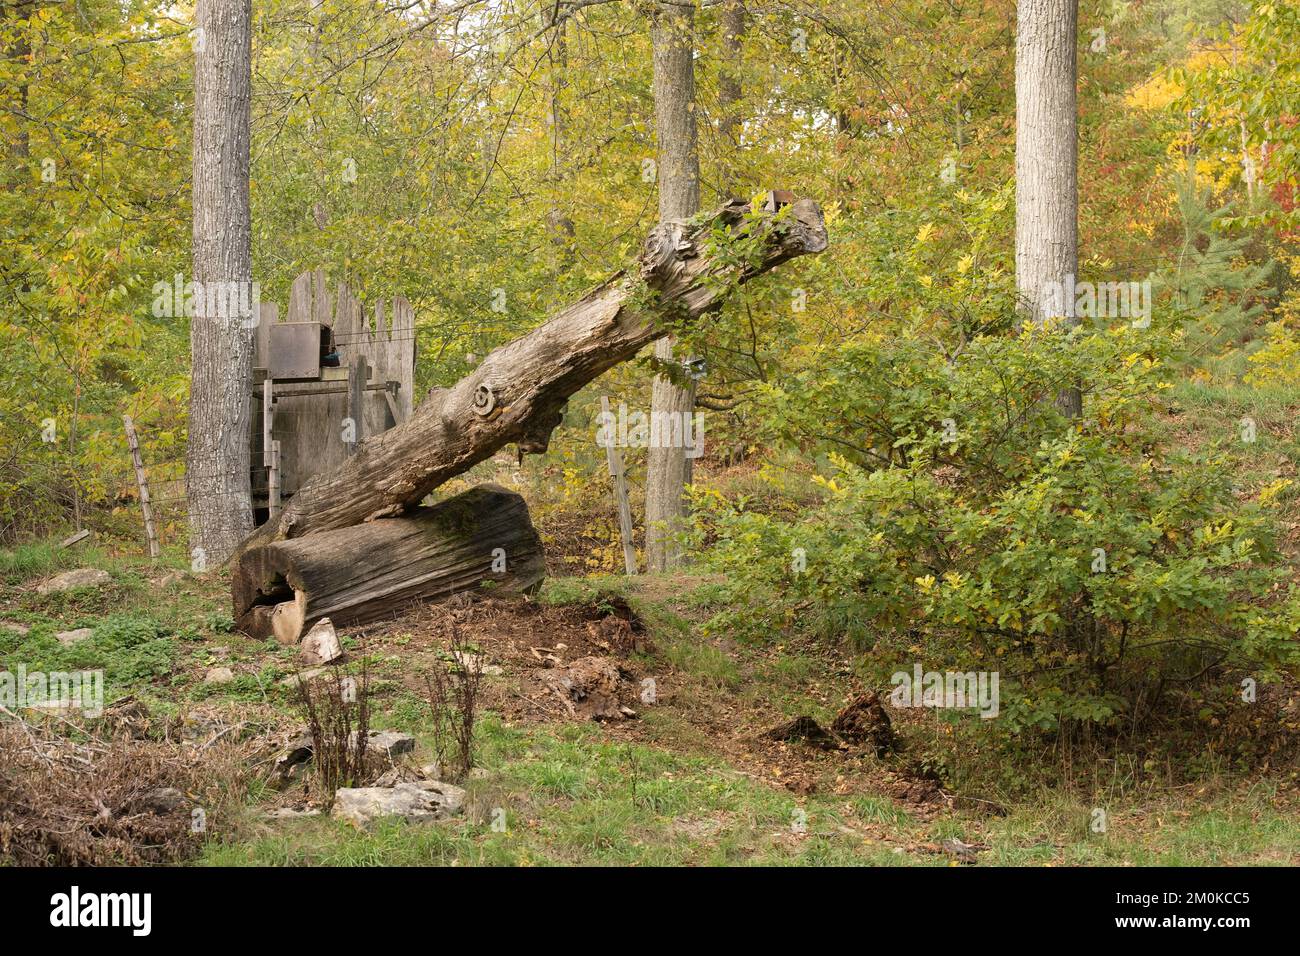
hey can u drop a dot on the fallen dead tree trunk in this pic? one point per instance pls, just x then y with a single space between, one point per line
517 393
376 570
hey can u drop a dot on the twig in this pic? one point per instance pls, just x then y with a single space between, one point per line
28 732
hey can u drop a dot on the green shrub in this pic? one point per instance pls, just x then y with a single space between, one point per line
967 525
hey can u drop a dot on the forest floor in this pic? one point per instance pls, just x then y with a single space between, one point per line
688 777
687 780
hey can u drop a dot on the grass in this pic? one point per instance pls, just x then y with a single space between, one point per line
571 798
1215 414
151 641
131 648
576 794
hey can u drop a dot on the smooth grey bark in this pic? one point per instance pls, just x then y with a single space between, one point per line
1047 192
221 340
667 468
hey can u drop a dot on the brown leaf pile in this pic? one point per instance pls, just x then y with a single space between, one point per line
69 797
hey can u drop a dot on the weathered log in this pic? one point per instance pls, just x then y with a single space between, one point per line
519 390
378 569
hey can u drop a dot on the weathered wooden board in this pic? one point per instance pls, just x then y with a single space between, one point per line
377 570
310 427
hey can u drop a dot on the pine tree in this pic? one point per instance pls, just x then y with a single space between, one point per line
1213 287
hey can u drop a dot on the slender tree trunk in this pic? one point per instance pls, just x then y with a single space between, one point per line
221 333
730 92
668 468
557 221
19 50
1047 196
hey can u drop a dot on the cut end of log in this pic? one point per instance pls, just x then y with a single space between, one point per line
807 232
288 620
799 230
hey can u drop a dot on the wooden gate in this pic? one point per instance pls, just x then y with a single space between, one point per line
311 417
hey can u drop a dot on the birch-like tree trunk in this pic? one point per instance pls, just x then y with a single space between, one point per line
668 468
1047 195
221 333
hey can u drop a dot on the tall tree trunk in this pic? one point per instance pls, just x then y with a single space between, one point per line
18 49
731 121
1047 195
221 339
558 222
667 468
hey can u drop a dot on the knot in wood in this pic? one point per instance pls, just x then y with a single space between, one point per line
485 400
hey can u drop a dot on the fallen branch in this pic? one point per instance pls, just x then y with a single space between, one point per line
518 392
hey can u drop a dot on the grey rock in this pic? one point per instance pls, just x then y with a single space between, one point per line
321 645
218 675
68 638
421 802
292 680
289 813
299 750
391 743
78 578
163 800
22 629
475 662
382 747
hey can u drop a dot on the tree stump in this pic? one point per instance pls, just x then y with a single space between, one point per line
376 570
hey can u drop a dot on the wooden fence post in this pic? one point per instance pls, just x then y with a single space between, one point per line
358 373
142 482
273 482
270 450
615 458
268 419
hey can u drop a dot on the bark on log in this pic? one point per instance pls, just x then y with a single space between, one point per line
377 570
517 393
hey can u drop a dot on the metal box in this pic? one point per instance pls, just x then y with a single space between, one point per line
295 350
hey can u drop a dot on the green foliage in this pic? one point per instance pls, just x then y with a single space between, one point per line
91 214
1242 86
128 647
1211 289
1277 361
965 524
